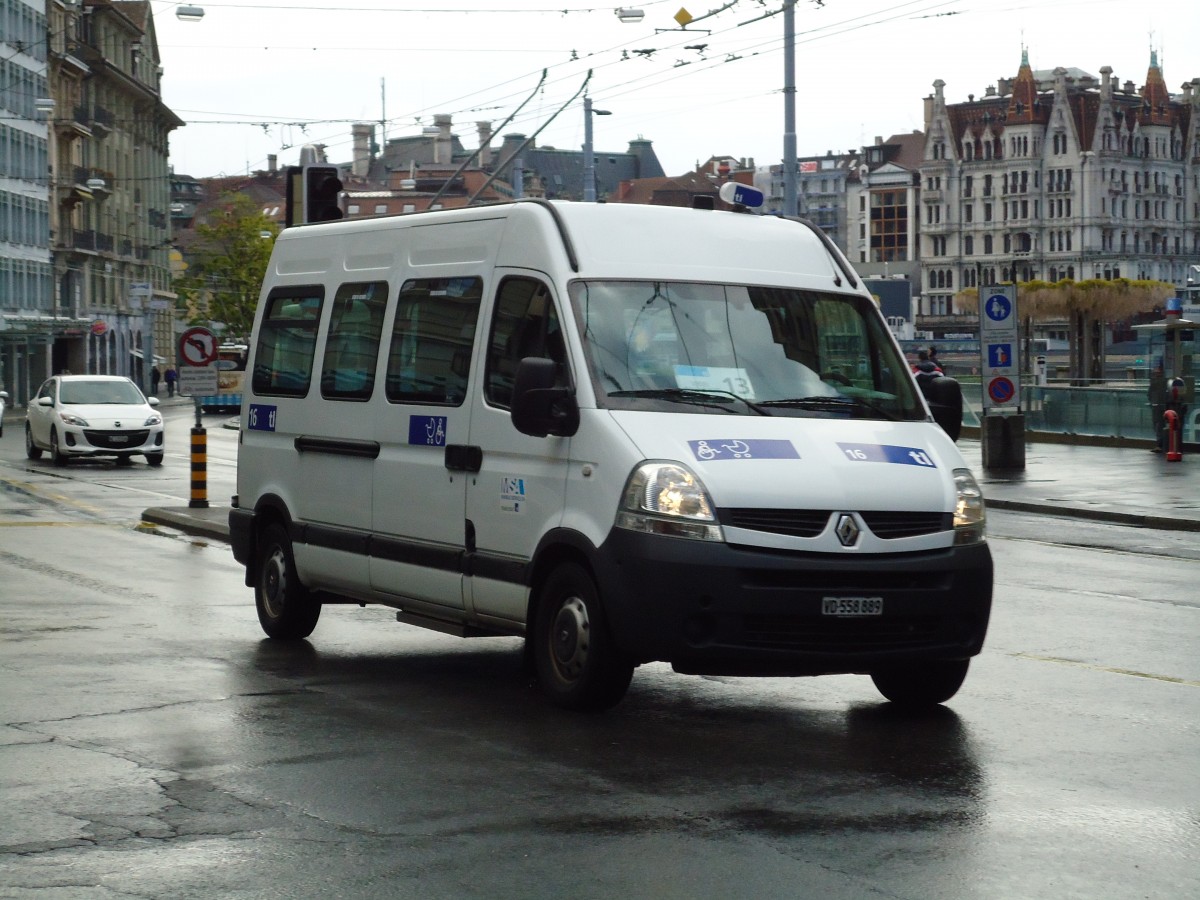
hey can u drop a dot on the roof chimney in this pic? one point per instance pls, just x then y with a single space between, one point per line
272 163
485 142
443 146
363 134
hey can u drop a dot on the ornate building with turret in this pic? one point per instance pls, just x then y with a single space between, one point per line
1059 175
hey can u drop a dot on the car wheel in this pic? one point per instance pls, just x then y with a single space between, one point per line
577 663
921 684
56 455
286 609
154 459
32 450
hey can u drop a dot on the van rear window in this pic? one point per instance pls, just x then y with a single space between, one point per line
287 342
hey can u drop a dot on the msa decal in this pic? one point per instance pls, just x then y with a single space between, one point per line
427 431
261 417
888 453
512 494
736 448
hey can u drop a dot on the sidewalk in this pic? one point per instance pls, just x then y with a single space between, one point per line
1124 485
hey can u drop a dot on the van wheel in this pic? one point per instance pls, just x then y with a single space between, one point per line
286 610
56 455
921 684
577 664
32 450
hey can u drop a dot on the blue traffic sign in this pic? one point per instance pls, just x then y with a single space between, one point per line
1000 356
998 307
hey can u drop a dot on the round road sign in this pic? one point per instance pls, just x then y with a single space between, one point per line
1001 389
197 347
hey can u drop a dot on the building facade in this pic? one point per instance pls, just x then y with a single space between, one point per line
86 288
1059 175
27 321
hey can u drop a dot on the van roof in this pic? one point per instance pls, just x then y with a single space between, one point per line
624 240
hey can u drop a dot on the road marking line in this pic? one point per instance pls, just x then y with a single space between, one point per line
1110 669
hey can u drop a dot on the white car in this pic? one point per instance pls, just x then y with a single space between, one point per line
3 397
93 415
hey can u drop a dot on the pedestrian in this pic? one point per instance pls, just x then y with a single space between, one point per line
933 358
171 376
155 375
925 369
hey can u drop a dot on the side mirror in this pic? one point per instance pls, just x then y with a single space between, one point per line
153 401
44 401
945 399
538 407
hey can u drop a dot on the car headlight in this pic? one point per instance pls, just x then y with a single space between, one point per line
153 419
667 498
970 518
77 421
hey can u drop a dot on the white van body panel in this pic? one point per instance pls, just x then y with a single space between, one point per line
827 473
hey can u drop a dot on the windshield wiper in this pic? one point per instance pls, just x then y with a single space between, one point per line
840 403
699 397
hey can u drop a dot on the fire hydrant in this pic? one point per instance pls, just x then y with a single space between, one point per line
1173 437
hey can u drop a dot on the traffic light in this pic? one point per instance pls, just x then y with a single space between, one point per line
318 188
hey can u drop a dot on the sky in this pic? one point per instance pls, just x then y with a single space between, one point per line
253 79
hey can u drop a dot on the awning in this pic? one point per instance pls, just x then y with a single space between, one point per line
138 355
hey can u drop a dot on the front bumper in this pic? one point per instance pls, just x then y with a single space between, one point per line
711 608
111 442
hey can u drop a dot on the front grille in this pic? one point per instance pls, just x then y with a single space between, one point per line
792 522
888 525
809 523
116 440
827 634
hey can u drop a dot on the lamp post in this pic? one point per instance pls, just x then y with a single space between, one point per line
589 158
789 108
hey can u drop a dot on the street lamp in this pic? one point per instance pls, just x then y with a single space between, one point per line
629 16
185 13
589 159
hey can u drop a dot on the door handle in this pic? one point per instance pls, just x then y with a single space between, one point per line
464 457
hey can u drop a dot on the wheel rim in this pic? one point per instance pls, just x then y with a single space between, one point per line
274 583
569 638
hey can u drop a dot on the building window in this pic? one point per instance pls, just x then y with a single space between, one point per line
889 225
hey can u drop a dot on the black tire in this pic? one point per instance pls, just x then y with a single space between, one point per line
577 664
286 610
56 455
32 450
124 460
922 684
154 459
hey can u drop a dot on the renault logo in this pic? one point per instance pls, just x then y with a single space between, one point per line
847 530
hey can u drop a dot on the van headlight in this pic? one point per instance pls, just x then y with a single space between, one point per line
970 519
667 498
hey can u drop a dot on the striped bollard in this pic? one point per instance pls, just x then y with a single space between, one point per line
199 469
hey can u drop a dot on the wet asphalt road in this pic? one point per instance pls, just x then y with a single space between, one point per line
154 745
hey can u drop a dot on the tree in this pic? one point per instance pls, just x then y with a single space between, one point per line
1085 306
229 260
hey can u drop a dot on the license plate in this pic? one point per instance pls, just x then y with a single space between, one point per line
852 606
119 438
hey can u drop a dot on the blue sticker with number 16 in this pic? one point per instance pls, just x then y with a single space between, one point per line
261 417
887 453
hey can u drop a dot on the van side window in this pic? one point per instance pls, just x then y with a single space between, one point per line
430 353
287 342
525 324
352 346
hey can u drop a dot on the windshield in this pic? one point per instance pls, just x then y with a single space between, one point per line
98 392
754 350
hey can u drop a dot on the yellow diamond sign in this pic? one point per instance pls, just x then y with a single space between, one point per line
683 17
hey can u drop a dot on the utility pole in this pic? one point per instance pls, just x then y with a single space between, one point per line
789 108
